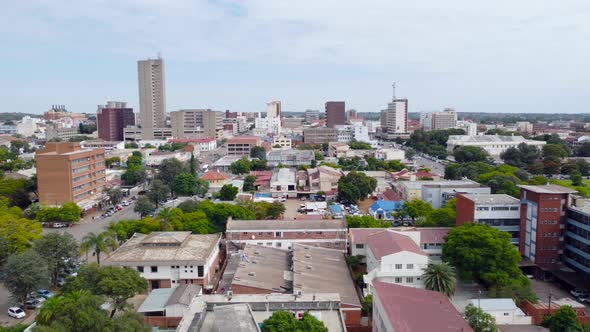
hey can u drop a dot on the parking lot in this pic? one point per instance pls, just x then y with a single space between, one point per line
291 206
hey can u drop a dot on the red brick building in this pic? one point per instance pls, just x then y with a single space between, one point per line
335 114
112 118
542 220
539 310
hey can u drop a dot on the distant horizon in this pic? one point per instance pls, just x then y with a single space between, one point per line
238 55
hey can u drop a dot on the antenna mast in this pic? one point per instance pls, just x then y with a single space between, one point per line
393 85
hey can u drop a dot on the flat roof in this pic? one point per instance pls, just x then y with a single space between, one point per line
264 268
283 175
492 199
548 189
159 298
165 247
244 225
235 317
320 270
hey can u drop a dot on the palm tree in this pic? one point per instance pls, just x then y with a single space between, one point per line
48 311
165 215
97 244
440 277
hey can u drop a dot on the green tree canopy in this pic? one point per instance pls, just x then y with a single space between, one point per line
258 152
440 277
98 243
355 186
60 251
283 321
115 195
185 184
241 166
228 193
169 170
468 153
365 222
562 320
357 145
249 183
24 273
144 206
479 320
158 192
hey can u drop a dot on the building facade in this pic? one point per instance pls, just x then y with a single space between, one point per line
320 135
394 120
335 114
438 193
444 120
197 123
241 145
494 145
577 239
112 118
152 96
312 115
67 173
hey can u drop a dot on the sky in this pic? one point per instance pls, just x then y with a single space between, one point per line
474 56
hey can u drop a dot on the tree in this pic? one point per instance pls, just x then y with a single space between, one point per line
74 311
258 152
275 210
354 145
228 192
283 321
469 153
60 251
367 305
133 175
577 178
555 151
131 145
241 166
158 192
249 183
111 161
417 208
318 156
193 165
19 233
479 320
119 284
500 183
563 319
169 170
185 184
365 222
24 273
355 186
201 187
440 277
521 156
144 206
410 154
97 244
165 215
115 195
583 150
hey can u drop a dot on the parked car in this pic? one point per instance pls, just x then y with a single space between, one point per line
584 299
45 293
282 199
59 225
33 303
16 312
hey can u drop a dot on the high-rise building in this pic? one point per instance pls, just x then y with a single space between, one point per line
68 173
335 113
320 135
112 118
444 120
394 120
542 220
152 96
197 123
273 109
426 120
312 115
577 238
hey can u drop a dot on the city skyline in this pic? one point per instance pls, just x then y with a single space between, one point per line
500 57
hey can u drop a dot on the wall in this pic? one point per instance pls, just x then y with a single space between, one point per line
465 210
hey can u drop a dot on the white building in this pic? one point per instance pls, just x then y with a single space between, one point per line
28 126
267 125
438 193
394 258
444 120
390 154
426 120
155 158
170 259
504 311
282 141
283 183
494 145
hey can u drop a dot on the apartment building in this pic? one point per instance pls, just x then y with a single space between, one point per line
112 118
496 210
197 123
312 115
542 220
494 145
577 238
152 96
170 259
241 145
283 234
281 142
68 173
394 119
58 131
201 144
320 135
335 113
444 120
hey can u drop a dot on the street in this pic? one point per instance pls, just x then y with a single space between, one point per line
434 166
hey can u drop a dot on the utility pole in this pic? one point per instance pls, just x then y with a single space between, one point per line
550 294
478 306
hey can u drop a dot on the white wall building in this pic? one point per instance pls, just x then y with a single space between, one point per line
283 183
390 154
494 145
267 125
282 141
28 126
504 311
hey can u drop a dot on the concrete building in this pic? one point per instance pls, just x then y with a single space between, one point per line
312 115
542 219
106 145
494 145
283 183
112 118
284 234
446 119
504 311
165 307
170 259
68 173
394 119
273 109
58 112
292 123
323 178
335 113
394 257
57 131
496 210
577 239
426 120
407 309
437 193
28 126
196 123
152 96
201 144
320 135
290 158
390 154
241 145
266 126
281 142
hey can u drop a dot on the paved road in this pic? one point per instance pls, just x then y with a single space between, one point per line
433 165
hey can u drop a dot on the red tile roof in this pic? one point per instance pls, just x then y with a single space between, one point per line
243 140
213 176
410 309
390 195
359 235
388 242
433 235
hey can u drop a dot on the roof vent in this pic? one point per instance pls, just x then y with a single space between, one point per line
307 256
254 261
251 274
309 267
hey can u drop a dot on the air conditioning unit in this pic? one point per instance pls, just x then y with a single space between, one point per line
230 294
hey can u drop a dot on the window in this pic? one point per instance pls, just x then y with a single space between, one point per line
398 266
278 234
398 280
200 271
154 268
410 266
359 246
506 314
410 280
279 244
140 269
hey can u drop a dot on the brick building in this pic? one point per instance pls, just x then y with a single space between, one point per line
112 118
241 145
68 173
335 114
284 234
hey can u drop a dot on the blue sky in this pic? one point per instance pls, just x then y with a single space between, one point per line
495 56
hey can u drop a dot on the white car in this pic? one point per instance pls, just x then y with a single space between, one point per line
16 312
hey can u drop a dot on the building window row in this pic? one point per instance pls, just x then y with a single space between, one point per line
81 169
548 222
550 235
548 209
80 178
80 160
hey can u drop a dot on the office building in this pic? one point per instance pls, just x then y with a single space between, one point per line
273 109
426 120
577 238
60 132
197 123
152 96
312 115
394 120
494 145
438 193
444 120
320 135
496 210
335 113
68 173
241 145
112 118
542 219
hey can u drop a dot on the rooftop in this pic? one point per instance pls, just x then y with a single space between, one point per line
427 234
235 317
164 247
387 205
213 175
192 140
492 139
264 268
159 298
491 199
244 225
548 189
495 304
446 183
412 309
389 242
283 175
320 270
243 140
290 155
